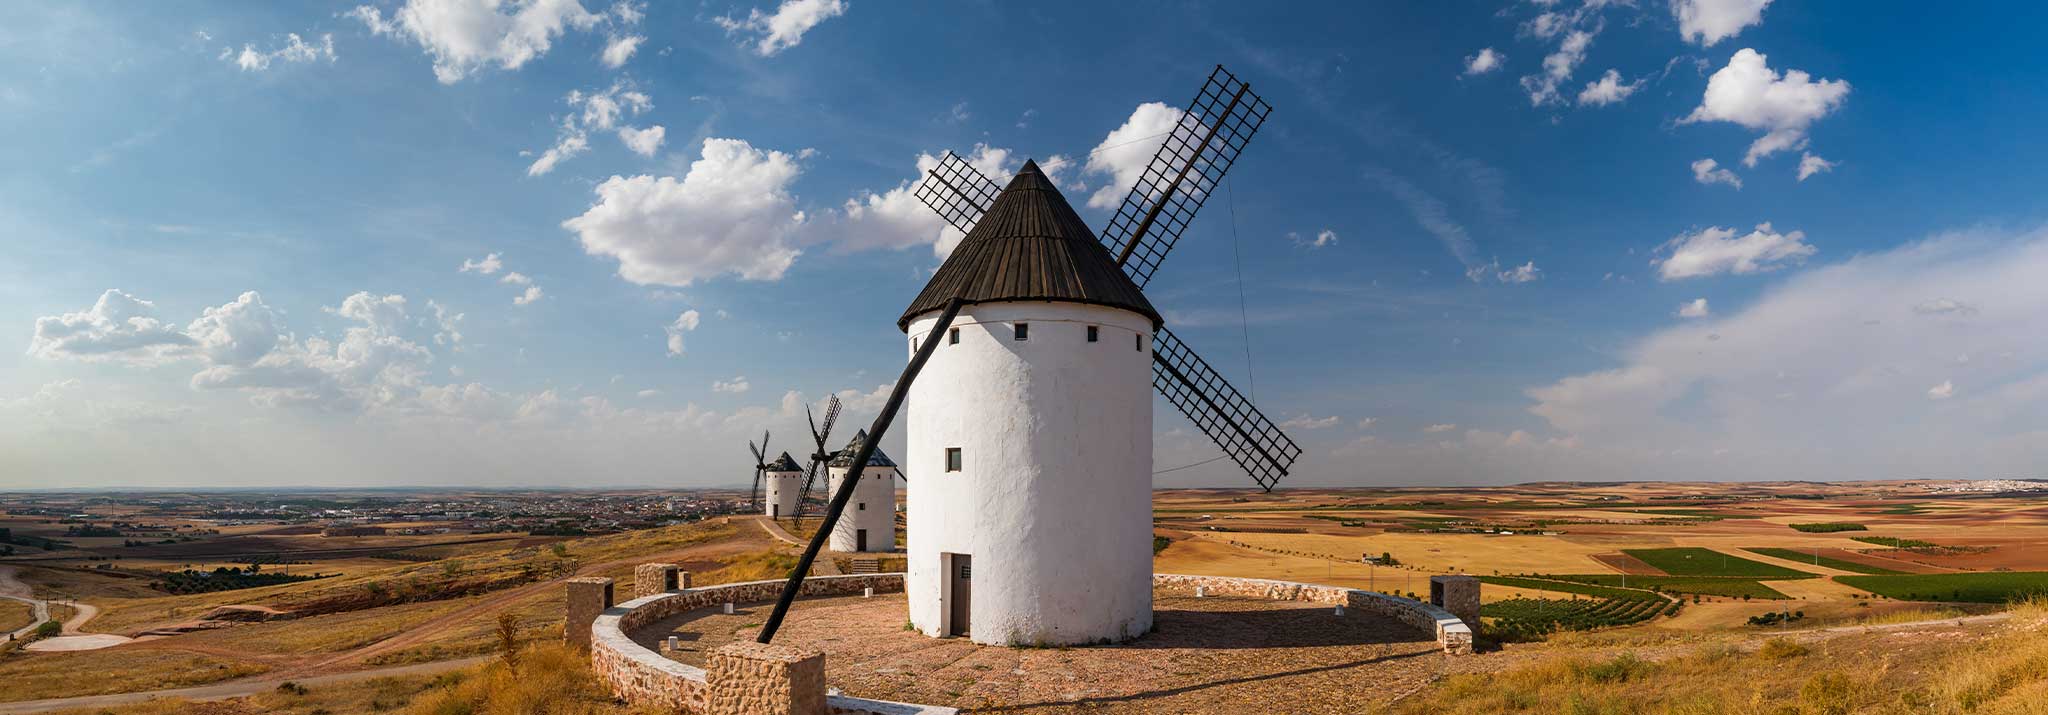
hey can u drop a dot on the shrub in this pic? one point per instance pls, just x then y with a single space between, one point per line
1781 649
1619 669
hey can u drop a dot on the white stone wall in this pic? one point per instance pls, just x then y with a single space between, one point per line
1054 498
782 490
877 490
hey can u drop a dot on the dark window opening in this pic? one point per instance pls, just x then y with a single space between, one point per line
863 506
952 459
953 338
1023 331
1094 333
1137 342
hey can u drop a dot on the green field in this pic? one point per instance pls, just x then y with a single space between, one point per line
1522 618
1995 587
1895 542
1828 527
1833 563
1701 585
1695 561
1583 589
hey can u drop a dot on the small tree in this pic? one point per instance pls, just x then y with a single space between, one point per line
508 637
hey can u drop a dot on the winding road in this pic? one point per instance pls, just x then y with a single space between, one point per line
13 589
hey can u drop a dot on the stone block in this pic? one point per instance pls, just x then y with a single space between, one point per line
588 597
1457 594
650 579
763 679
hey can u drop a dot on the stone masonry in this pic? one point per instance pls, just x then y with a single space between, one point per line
1457 594
589 597
763 679
650 579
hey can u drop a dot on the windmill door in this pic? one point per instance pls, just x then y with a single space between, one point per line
860 539
774 511
963 591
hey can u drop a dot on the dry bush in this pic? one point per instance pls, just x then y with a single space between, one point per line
2009 675
1781 649
547 679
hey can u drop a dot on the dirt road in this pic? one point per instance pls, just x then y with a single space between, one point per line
13 589
235 688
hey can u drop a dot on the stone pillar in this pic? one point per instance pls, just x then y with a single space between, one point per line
1457 594
683 580
749 678
650 579
588 597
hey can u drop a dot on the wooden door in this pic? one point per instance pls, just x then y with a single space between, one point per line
963 594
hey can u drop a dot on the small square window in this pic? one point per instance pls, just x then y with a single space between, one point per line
1023 331
863 506
1094 333
953 337
952 459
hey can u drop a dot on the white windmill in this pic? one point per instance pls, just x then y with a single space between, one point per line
1032 350
785 482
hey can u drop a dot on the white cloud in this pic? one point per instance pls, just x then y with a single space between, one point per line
644 394
1485 61
683 323
1782 105
487 265
895 219
600 111
1306 422
1715 250
1944 306
1368 422
533 293
1439 428
1125 152
516 278
1520 274
1695 308
1810 165
1558 67
295 51
1709 21
735 385
1609 89
786 27
464 36
119 327
1708 171
1434 216
1845 341
731 213
1943 391
238 333
1323 238
620 49
643 141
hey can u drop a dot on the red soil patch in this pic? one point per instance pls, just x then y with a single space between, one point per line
1627 564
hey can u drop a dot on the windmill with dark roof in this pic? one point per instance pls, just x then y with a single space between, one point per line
785 483
870 523
1034 355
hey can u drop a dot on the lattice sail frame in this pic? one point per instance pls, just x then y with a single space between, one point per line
820 436
960 194
1217 125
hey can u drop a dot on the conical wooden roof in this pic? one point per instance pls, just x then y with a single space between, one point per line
1030 246
844 457
784 464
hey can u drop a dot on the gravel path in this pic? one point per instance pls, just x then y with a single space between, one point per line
1206 655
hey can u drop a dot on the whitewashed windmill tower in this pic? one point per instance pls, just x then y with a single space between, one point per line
869 523
1034 355
785 482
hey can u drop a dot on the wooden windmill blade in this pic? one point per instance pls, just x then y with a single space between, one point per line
1220 411
818 455
1217 125
957 191
760 468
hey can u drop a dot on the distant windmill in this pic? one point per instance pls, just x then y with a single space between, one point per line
1036 445
760 469
819 457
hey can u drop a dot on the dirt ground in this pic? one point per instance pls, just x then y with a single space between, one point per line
1207 655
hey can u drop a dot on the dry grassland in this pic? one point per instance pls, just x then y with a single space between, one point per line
114 670
14 615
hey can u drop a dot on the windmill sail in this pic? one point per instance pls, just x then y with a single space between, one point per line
1218 123
957 191
1223 413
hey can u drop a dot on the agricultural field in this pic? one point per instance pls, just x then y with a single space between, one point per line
1695 561
1822 561
1993 587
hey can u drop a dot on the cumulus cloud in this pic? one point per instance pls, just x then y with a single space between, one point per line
1485 61
1708 171
643 141
492 263
598 111
531 294
1709 21
1609 89
487 265
732 213
464 36
1520 274
1819 378
1558 67
1810 165
238 333
1715 250
295 50
119 327
1323 238
736 385
683 323
1783 105
1306 422
1124 153
771 33
1695 308
895 219
620 49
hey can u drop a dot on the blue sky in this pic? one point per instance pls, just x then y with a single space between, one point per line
444 243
